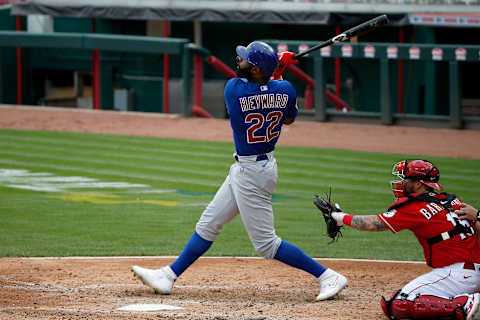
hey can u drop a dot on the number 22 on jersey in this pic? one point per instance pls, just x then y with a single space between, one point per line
258 121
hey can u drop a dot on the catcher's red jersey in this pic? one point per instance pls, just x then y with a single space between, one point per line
430 219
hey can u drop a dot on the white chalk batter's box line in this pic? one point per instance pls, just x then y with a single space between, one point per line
32 286
20 285
223 257
169 314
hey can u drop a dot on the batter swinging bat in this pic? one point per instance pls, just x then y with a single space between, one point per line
355 31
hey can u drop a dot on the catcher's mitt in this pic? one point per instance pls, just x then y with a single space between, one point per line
325 205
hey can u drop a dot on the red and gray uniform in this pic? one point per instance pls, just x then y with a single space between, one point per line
454 255
429 219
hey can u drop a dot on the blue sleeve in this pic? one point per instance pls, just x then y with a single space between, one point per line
292 109
228 93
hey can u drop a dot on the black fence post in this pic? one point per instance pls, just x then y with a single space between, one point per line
319 89
385 103
455 109
187 81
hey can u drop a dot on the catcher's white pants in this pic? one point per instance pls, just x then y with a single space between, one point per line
247 190
445 282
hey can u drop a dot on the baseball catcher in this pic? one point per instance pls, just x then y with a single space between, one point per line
451 244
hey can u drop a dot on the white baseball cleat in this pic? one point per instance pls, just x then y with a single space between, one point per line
471 308
161 280
331 283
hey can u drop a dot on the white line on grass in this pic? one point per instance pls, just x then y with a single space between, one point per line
226 257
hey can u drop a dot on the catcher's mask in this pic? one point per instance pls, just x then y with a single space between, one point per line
421 170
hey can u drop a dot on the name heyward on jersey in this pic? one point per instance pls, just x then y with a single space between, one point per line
263 101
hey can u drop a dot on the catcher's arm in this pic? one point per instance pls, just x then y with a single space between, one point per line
368 223
335 218
363 223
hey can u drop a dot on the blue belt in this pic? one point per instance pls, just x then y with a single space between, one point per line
260 157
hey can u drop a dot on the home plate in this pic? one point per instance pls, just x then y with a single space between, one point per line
148 307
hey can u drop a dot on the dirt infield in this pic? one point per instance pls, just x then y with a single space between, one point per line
213 288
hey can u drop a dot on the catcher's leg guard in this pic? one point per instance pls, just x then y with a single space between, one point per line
424 307
387 304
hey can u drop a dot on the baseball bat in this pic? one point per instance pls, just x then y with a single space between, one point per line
346 35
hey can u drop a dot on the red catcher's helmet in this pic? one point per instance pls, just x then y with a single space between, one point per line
421 170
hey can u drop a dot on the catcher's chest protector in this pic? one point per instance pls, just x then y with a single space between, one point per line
445 200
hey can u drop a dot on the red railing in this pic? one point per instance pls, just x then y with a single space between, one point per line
19 65
310 84
197 108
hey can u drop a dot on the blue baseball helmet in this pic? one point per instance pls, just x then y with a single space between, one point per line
260 55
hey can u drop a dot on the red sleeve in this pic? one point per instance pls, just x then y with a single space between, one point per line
405 217
385 220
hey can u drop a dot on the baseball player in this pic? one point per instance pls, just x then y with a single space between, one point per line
450 246
258 108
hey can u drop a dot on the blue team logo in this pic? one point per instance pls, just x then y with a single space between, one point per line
263 88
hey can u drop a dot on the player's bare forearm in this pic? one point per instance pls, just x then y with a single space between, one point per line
288 121
467 212
368 223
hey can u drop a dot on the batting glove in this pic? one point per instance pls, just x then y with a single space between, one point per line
285 58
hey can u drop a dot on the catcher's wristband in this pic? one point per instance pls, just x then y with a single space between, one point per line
347 219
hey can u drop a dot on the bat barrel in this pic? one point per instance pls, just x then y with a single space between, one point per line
355 31
367 26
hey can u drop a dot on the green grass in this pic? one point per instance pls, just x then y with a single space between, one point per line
181 177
